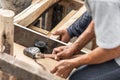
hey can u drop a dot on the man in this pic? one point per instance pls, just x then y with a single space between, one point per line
75 29
103 63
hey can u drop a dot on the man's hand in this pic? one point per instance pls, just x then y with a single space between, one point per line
63 52
65 37
63 68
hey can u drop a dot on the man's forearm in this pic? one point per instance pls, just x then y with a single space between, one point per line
97 56
85 37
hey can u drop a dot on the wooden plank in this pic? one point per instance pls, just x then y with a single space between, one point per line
23 37
27 37
74 17
30 14
69 21
40 21
49 25
39 30
20 59
23 70
48 19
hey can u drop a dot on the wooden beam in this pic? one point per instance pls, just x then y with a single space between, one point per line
23 70
40 21
39 30
48 19
49 23
30 14
23 37
7 30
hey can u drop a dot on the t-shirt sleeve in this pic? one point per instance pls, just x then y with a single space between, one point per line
80 25
106 15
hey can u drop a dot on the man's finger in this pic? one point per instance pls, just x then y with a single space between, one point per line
60 72
60 55
57 50
56 58
54 70
58 32
66 74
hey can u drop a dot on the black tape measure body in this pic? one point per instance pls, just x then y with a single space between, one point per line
41 45
31 51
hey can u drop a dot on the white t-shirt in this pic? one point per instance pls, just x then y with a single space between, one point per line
106 15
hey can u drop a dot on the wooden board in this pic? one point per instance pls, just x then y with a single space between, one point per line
25 68
18 53
6 30
39 30
27 37
30 14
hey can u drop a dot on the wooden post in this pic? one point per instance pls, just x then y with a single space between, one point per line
40 20
6 34
6 30
48 19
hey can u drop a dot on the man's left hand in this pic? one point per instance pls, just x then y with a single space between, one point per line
63 68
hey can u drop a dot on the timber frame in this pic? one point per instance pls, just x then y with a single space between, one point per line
72 10
25 33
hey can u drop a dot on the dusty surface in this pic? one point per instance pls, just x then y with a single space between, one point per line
15 5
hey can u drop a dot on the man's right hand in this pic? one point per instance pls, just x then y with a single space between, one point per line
63 52
65 37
